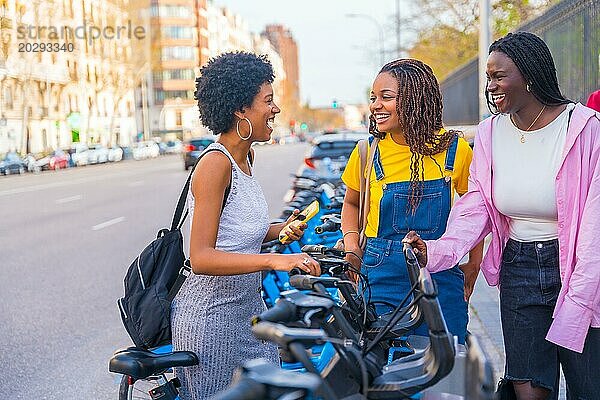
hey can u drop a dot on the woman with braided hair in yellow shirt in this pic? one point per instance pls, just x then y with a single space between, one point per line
418 166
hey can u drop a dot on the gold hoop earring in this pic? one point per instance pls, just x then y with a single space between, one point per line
237 128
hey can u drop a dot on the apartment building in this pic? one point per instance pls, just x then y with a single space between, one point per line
81 90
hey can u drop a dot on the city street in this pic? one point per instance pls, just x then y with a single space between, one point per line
67 240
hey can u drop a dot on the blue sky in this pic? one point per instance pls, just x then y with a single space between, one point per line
338 55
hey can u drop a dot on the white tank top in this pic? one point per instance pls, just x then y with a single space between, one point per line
245 218
524 174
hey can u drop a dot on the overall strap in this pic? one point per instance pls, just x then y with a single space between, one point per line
177 220
451 155
379 175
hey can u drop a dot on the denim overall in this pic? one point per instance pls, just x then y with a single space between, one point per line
383 259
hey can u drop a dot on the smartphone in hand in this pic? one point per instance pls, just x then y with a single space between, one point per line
310 211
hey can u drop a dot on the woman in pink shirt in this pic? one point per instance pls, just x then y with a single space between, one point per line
535 186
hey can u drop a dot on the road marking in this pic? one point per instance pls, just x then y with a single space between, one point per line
108 223
76 181
68 199
136 184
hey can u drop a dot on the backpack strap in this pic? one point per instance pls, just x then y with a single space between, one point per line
184 272
251 157
178 221
366 164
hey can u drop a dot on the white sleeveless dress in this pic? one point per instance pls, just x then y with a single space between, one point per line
211 314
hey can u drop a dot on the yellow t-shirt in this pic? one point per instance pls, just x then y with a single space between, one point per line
395 159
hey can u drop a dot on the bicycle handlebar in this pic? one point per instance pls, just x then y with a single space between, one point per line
283 335
320 249
330 225
307 282
282 311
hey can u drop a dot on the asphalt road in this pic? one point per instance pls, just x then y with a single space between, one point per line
66 240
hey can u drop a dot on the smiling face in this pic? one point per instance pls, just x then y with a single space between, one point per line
383 103
262 114
506 85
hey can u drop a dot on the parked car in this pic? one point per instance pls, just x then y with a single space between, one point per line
97 154
127 152
79 155
147 149
56 160
329 154
193 148
115 154
12 164
31 163
174 147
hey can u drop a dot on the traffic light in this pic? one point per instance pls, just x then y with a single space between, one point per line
334 103
303 126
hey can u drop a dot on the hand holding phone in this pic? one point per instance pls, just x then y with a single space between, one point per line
304 216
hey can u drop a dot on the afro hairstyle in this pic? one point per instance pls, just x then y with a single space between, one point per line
228 83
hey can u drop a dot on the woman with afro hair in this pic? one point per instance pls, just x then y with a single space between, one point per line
211 313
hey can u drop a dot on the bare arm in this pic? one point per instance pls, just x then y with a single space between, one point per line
350 224
471 269
208 186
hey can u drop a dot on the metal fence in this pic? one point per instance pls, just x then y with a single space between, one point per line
571 29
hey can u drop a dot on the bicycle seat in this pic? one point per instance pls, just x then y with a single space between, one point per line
140 364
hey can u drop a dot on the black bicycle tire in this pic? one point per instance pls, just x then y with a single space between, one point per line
124 388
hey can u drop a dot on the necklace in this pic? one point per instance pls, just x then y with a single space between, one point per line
533 123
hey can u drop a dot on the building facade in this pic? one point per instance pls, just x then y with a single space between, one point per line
178 46
60 83
285 45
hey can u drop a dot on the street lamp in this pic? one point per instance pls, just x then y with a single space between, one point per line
380 30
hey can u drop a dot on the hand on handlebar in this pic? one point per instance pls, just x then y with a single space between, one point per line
287 262
418 245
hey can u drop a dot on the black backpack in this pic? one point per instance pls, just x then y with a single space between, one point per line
154 278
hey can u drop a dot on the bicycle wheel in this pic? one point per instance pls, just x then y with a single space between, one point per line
140 390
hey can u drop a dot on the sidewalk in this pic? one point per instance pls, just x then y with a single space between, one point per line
484 322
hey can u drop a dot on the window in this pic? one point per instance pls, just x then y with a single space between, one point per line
171 11
178 117
177 53
169 74
44 139
8 98
177 32
162 95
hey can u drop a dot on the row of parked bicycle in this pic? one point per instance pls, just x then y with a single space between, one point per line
81 154
332 343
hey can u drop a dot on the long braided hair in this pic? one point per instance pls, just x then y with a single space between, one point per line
534 60
419 110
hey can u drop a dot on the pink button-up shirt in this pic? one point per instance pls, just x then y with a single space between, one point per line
578 203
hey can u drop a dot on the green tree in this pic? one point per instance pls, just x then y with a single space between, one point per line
447 30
